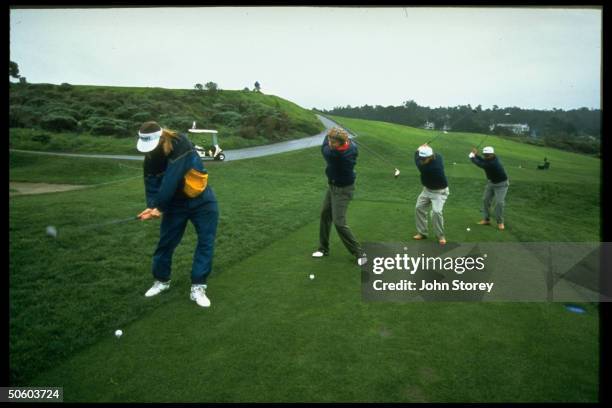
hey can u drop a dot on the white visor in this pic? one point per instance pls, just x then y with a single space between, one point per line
148 141
488 150
425 151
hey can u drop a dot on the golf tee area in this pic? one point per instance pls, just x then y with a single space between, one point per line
283 326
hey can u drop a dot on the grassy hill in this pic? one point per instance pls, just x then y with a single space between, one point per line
273 334
105 119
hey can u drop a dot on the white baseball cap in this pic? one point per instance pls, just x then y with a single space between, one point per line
425 151
488 150
148 141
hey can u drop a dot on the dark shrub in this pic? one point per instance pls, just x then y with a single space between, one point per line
107 126
125 111
142 117
62 110
22 116
42 138
228 118
58 122
38 101
88 111
248 132
178 123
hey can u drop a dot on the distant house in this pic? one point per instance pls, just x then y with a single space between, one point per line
429 125
517 128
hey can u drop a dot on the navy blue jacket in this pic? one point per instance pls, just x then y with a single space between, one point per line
432 174
493 168
164 175
340 164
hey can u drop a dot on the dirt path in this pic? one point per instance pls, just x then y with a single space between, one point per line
18 188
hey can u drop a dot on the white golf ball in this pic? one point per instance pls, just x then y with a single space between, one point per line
52 231
467 229
311 276
118 333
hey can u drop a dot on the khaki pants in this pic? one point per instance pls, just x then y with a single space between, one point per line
435 200
333 210
495 193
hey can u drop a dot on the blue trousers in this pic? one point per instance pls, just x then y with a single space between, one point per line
204 217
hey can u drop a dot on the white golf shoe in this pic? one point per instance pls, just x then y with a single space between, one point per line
198 293
157 288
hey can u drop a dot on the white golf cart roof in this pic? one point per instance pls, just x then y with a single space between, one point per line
202 131
194 130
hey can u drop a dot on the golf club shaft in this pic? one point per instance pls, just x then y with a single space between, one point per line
371 150
434 139
381 157
482 141
101 224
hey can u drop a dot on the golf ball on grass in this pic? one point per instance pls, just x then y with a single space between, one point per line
468 229
311 276
118 333
52 231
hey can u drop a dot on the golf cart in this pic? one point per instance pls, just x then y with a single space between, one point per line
214 152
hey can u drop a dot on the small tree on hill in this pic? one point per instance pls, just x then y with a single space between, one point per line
211 87
199 87
257 87
13 70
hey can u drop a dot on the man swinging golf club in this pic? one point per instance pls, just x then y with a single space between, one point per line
176 184
340 154
434 194
496 187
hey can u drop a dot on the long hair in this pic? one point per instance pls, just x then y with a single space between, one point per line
166 140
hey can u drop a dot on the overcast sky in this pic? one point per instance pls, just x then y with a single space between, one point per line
325 57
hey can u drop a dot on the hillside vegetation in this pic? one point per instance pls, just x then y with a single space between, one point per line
104 119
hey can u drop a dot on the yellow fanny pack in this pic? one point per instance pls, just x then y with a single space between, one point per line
195 183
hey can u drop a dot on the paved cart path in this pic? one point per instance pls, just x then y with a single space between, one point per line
237 154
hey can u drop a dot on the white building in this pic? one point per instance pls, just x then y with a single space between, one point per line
517 128
429 125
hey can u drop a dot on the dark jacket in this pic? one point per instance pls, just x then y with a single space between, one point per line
340 164
432 174
164 175
493 168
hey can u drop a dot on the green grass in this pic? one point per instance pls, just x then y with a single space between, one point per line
26 167
272 334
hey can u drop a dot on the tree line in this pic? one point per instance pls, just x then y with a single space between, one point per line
576 130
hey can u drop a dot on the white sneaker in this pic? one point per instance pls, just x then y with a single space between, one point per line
157 288
318 254
362 261
198 293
